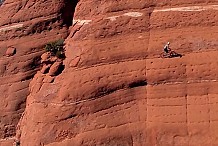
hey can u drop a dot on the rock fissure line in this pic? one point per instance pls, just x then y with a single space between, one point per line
8 138
139 14
21 24
68 104
149 37
189 9
110 63
182 82
16 26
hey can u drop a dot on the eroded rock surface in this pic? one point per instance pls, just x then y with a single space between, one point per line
10 51
115 88
27 26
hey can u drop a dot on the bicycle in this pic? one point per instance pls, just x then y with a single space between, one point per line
170 54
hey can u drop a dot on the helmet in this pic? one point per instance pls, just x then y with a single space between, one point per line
168 43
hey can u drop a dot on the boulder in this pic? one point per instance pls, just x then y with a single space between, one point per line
45 57
55 69
10 51
74 62
45 68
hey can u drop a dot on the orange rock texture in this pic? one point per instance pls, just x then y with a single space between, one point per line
113 88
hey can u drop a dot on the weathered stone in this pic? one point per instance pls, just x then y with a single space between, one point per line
45 68
55 68
10 51
45 57
48 79
74 62
53 59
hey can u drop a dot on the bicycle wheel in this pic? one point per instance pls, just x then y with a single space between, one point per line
163 55
173 54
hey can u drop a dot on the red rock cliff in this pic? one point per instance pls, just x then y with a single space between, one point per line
114 89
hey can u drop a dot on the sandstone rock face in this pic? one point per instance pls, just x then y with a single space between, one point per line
26 25
115 88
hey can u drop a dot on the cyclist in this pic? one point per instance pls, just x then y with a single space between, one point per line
167 47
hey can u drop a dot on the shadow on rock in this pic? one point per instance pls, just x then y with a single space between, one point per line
68 11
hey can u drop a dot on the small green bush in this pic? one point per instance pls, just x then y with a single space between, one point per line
56 48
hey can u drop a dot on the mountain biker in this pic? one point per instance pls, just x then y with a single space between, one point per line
167 47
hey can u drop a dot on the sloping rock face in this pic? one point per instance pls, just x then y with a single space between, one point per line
115 89
26 25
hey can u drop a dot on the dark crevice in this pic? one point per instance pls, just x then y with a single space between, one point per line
1 2
105 90
138 84
102 91
68 117
9 131
21 105
60 70
35 63
68 11
28 77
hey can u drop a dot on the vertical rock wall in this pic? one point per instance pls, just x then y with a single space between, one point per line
115 88
26 25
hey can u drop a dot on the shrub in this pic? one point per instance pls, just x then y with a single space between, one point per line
56 48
